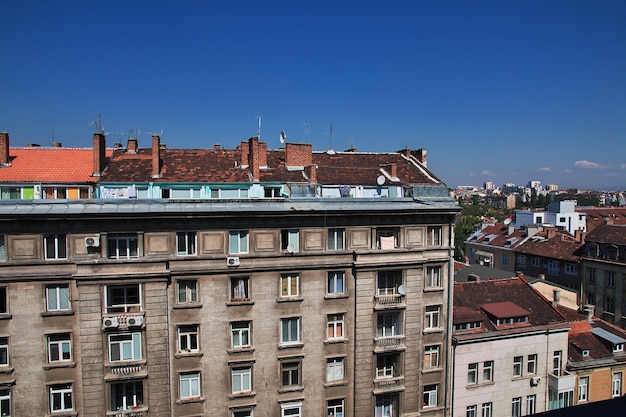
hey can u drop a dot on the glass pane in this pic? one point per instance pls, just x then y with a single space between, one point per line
64 298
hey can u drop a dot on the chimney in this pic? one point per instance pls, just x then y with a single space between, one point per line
99 153
217 147
580 236
254 162
262 154
132 145
391 169
420 155
311 172
245 150
4 149
588 310
298 154
57 145
556 296
473 278
156 156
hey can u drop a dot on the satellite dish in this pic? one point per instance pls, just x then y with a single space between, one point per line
290 248
402 290
507 220
283 136
380 180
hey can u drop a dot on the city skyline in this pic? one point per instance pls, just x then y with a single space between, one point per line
501 92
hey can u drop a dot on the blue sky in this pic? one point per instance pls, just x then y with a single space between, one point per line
503 91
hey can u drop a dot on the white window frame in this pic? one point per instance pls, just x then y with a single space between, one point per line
290 330
616 385
472 374
5 402
583 388
434 276
59 347
290 285
187 291
129 250
388 325
239 332
241 378
3 249
189 338
431 356
557 362
336 282
516 407
388 282
488 371
239 289
189 385
125 345
186 243
336 239
386 365
335 368
238 242
55 246
531 364
59 395
335 408
4 351
58 297
487 410
128 390
518 365
435 235
471 411
127 306
432 317
430 395
531 404
290 237
335 326
291 409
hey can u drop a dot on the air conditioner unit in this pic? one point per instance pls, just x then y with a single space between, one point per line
92 241
110 322
534 381
232 261
135 321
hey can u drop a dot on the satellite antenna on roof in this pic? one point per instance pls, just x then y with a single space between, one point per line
98 123
282 137
259 132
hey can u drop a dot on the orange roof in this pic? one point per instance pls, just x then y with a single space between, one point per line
49 165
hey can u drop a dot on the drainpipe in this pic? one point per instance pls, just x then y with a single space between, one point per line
450 356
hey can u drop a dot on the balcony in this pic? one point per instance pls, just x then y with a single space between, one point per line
134 412
389 343
383 385
563 382
389 301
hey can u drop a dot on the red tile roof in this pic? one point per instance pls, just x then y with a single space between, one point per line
608 233
49 165
556 244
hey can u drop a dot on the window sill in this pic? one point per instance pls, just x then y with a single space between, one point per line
298 345
432 330
235 302
6 316
289 299
62 414
482 384
336 296
197 354
246 394
235 350
431 370
335 384
183 306
190 400
433 289
57 313
6 369
336 341
60 364
294 388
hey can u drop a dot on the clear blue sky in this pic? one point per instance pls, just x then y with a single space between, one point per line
503 91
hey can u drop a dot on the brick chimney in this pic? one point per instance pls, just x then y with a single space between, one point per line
420 155
580 236
4 149
254 162
132 145
311 172
99 154
156 156
298 154
391 169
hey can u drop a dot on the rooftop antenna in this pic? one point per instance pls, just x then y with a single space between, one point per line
259 132
158 134
330 151
98 123
307 131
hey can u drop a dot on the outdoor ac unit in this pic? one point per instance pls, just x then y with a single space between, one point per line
92 241
135 321
234 261
534 381
110 322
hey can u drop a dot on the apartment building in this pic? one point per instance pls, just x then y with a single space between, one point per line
238 283
509 347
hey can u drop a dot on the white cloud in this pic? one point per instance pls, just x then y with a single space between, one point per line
587 164
489 173
545 169
622 166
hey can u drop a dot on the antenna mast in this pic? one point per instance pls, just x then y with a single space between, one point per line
259 132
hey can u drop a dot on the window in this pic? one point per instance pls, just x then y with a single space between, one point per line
472 373
289 240
4 351
190 385
468 325
5 403
125 347
334 327
334 408
272 192
59 348
471 411
617 384
505 260
291 410
553 267
388 282
123 298
122 247
486 410
4 300
55 246
521 261
431 357
535 261
336 238
591 275
583 388
334 369
240 289
58 297
430 396
488 371
531 364
387 238
434 235
229 193
570 269
433 276
591 298
388 325
386 405
186 243
247 413
618 347
238 241
290 372
61 398
609 304
516 407
612 253
531 404
188 338
336 282
610 279
560 399
431 319
290 330
386 365
241 380
126 395
556 362
289 285
518 365
3 250
240 334
187 291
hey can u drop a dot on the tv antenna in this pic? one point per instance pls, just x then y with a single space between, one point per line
259 132
307 131
98 123
158 134
330 134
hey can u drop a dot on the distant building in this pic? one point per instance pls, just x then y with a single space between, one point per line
560 214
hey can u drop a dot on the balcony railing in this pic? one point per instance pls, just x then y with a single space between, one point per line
389 384
142 412
128 369
389 343
389 300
